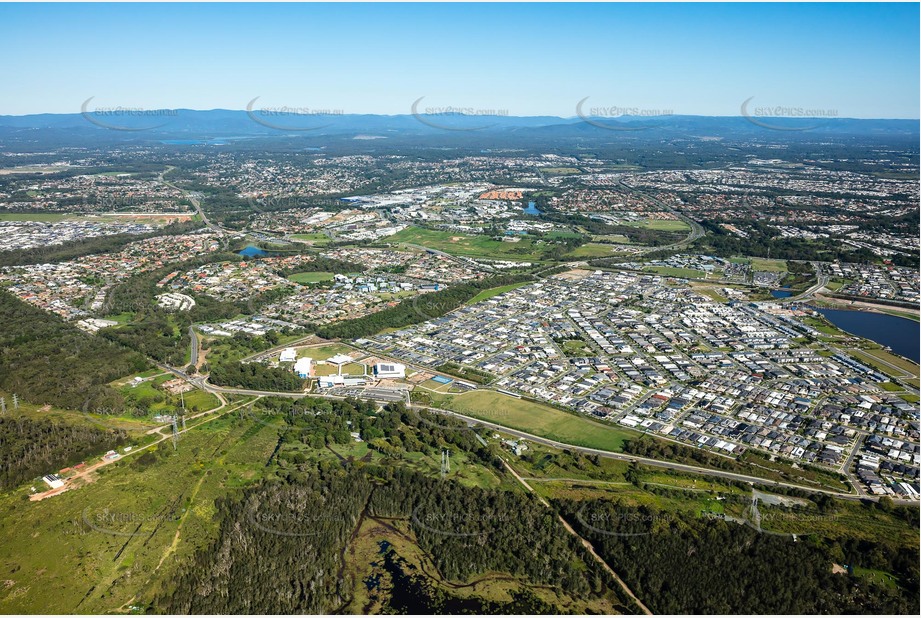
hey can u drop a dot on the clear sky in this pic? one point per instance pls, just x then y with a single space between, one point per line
860 60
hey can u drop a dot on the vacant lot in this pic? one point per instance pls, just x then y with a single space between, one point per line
464 244
662 225
310 277
486 294
669 271
538 419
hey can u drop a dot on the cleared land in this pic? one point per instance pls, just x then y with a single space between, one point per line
464 244
670 271
486 294
662 225
538 419
310 277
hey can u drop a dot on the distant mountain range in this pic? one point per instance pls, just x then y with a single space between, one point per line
228 124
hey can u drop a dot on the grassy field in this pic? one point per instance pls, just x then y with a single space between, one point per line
893 359
322 352
662 225
317 238
669 271
472 246
593 250
486 294
310 277
538 419
616 238
771 266
95 547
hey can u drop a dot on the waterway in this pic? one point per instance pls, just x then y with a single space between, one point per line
532 209
253 251
900 334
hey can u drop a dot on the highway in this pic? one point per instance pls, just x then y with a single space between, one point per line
733 476
203 384
193 198
696 231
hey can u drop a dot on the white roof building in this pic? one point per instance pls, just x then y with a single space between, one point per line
288 355
302 367
389 370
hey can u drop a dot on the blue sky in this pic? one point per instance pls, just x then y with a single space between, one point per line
860 60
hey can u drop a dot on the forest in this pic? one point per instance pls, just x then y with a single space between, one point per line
699 565
286 537
255 376
33 447
45 360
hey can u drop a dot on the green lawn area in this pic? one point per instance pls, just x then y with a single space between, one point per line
538 419
199 401
668 271
884 579
889 386
310 277
662 225
593 250
560 170
322 352
615 238
771 266
576 347
121 318
317 238
472 246
486 294
879 354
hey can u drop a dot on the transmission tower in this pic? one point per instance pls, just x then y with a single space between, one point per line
445 462
2 405
175 434
15 401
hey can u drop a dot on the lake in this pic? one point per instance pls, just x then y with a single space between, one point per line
900 334
781 293
531 209
252 251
